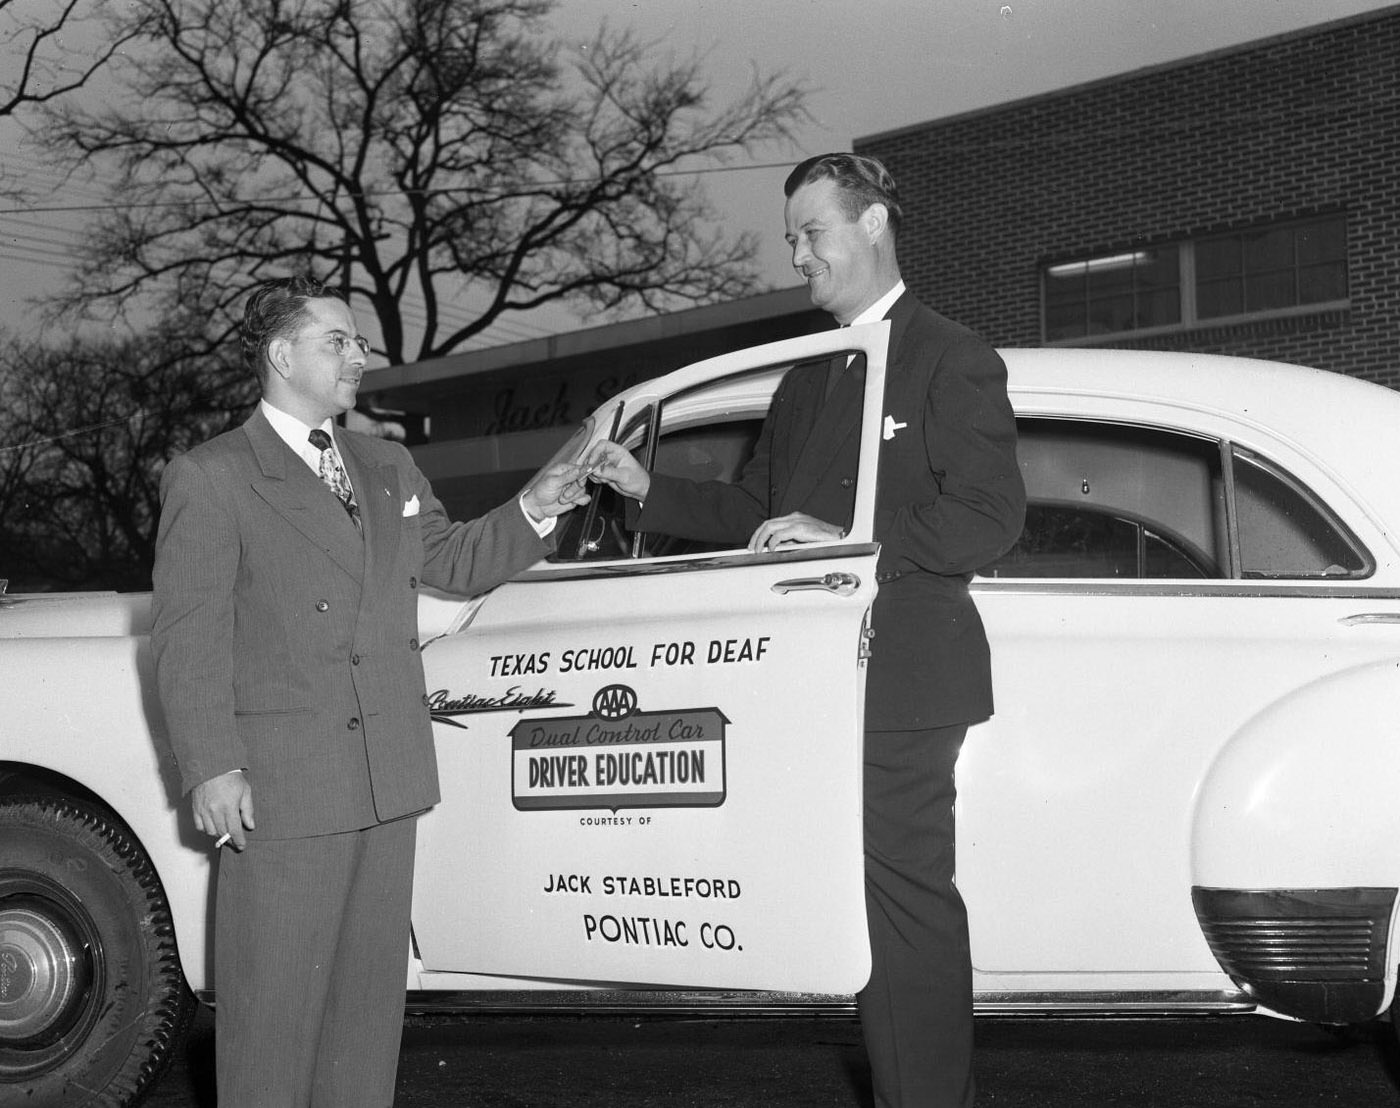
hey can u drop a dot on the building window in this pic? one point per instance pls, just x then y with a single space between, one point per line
1279 268
1118 292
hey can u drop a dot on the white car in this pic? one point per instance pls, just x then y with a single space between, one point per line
650 752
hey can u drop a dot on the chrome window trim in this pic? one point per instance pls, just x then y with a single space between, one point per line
1292 589
694 563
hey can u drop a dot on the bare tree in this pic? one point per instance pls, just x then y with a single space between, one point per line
433 157
38 65
84 434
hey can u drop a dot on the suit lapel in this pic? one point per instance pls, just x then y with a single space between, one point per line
381 506
298 496
826 426
900 315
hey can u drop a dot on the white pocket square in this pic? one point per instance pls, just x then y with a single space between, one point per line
411 508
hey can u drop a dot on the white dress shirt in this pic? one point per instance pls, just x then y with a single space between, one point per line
297 435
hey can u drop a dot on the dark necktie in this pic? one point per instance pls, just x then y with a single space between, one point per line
334 475
834 370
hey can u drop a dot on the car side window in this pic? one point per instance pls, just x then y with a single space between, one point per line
1086 542
1285 531
706 433
1115 501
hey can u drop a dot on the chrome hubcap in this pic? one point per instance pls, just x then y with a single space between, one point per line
40 973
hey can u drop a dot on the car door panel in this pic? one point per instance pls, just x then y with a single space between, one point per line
651 767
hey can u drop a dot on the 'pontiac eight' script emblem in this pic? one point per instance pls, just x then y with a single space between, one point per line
619 757
614 702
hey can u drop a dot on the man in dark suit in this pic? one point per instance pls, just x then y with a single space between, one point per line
288 563
950 499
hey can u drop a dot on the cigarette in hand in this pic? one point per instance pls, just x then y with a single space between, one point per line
221 840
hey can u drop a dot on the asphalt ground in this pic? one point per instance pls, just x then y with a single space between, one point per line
816 1062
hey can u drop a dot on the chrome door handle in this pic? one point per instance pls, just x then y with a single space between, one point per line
842 584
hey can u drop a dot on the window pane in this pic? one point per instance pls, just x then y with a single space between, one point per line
1065 542
1159 269
1113 293
1284 531
1322 241
1064 306
1269 290
1162 558
1102 495
1107 316
1282 267
1061 290
1159 308
1318 283
1064 321
1111 282
1217 258
1270 249
1217 298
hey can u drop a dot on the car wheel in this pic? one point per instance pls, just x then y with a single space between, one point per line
92 998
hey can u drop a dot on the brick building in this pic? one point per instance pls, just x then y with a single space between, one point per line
1243 202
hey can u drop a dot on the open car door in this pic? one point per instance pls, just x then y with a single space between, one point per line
650 749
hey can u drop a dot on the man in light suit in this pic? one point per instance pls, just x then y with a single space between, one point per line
950 499
288 563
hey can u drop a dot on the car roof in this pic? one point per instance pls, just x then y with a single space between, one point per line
1328 410
1345 424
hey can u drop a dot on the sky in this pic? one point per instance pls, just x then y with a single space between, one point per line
879 65
871 65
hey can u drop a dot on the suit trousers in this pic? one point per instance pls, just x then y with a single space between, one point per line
310 964
916 1010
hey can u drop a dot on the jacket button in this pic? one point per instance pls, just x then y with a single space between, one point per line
412 644
846 482
413 582
425 700
354 724
354 659
322 606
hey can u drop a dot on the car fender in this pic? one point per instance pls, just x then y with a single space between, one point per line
80 705
83 709
1302 800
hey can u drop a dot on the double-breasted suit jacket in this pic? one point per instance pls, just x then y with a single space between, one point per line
950 498
286 641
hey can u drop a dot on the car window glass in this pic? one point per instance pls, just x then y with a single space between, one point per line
704 433
1116 501
1284 531
597 530
1084 542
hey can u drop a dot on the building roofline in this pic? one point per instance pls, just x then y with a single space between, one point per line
591 340
1119 78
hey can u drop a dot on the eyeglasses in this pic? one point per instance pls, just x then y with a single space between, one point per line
341 343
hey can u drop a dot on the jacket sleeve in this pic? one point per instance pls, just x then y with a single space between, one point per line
717 511
978 502
196 567
468 557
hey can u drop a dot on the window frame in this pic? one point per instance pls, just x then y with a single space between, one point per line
1188 285
1232 572
644 413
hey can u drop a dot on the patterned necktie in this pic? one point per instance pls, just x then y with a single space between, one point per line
334 475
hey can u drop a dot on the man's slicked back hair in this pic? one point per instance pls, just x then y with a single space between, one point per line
860 182
274 310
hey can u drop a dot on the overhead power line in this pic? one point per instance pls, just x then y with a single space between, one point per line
373 194
89 429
